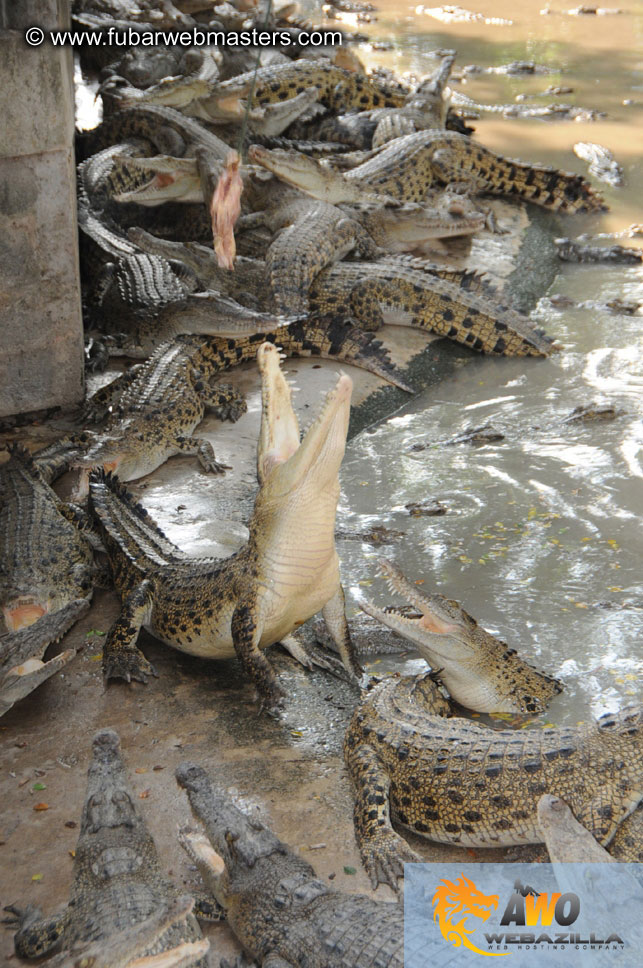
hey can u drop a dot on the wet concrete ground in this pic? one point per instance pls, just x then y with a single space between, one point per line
289 770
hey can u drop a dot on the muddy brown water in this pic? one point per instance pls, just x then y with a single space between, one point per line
541 539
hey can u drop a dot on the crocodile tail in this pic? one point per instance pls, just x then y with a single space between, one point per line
551 188
334 339
307 336
128 529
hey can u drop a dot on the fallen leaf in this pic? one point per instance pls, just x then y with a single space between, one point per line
39 786
71 824
41 806
350 870
157 768
36 877
144 795
72 853
141 769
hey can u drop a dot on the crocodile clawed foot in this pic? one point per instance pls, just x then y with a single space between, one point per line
214 466
384 861
273 701
127 664
22 917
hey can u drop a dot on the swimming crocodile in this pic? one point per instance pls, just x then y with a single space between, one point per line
283 914
117 883
456 782
245 603
412 166
46 576
478 670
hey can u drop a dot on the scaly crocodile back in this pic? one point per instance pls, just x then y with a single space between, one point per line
135 542
409 167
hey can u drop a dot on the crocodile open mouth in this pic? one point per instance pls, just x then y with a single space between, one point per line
423 611
23 612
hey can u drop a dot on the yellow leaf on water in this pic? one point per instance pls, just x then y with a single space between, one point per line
581 605
612 543
367 581
614 588
296 732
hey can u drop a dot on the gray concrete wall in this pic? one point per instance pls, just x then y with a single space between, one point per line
41 343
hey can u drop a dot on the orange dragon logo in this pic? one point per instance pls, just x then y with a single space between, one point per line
463 898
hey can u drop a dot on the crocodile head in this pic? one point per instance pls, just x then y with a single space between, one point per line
152 181
113 837
478 669
285 465
306 174
240 855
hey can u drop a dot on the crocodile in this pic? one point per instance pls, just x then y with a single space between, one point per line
281 912
478 670
398 291
167 130
456 782
408 168
602 163
554 111
154 407
375 293
117 881
216 609
339 89
126 947
46 575
570 250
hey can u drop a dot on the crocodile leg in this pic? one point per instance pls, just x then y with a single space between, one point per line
383 851
603 814
96 407
201 449
246 635
365 306
36 935
121 658
223 399
334 614
310 656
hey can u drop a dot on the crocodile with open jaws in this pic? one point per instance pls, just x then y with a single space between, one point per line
281 912
396 290
154 408
477 669
255 598
118 884
408 168
338 89
455 782
46 576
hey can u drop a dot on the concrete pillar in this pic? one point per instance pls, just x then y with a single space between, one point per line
41 336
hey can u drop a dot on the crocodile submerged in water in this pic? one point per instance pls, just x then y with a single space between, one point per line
408 168
154 408
283 914
478 670
46 576
117 884
455 782
243 604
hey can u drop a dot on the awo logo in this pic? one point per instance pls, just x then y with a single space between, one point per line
456 902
